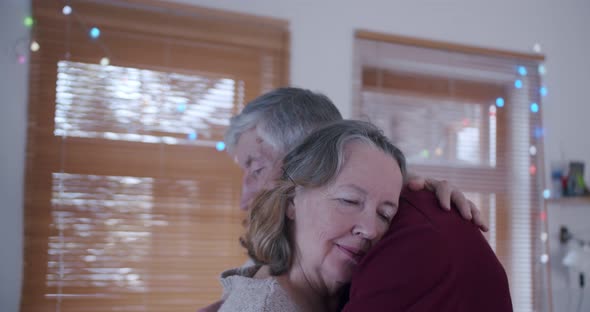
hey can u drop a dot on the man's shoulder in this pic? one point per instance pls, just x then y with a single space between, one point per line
422 209
425 205
445 234
426 260
414 235
405 267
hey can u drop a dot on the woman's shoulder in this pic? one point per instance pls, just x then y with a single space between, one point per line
242 291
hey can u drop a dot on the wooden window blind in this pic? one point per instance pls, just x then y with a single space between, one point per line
471 116
131 203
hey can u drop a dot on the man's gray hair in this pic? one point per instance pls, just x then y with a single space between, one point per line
283 117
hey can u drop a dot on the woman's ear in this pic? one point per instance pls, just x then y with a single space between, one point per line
291 209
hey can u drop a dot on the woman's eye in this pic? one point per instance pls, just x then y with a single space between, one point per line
385 217
350 202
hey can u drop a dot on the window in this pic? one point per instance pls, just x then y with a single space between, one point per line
471 116
145 105
131 203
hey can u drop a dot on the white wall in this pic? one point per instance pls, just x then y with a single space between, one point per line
322 42
13 90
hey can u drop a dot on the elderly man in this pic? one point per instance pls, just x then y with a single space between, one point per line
277 121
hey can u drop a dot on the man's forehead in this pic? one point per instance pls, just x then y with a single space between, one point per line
246 155
250 147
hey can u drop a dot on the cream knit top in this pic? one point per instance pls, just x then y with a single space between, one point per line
243 292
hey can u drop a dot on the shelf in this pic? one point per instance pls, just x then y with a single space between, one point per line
570 201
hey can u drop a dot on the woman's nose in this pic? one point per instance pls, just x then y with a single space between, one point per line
367 226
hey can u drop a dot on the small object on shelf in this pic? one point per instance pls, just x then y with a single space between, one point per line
564 234
570 201
556 186
557 178
575 180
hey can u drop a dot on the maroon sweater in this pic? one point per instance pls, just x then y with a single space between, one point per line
430 260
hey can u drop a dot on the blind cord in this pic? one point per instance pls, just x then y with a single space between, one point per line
582 284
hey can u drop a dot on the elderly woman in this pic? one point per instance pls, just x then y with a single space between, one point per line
336 197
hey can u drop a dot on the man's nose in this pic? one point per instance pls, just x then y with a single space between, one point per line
245 201
248 192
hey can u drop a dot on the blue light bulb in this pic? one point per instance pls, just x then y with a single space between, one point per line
94 32
543 91
220 146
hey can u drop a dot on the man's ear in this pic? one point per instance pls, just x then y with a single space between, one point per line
291 209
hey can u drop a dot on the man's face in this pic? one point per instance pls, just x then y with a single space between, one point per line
260 164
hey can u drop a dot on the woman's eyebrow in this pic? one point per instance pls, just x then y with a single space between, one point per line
355 187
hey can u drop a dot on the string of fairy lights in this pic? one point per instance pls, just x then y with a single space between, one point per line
538 135
538 132
34 46
94 33
521 72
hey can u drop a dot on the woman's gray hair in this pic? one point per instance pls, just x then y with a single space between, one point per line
314 163
282 117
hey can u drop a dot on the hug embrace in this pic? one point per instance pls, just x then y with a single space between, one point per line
336 223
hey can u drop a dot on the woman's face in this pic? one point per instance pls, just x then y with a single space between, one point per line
336 224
